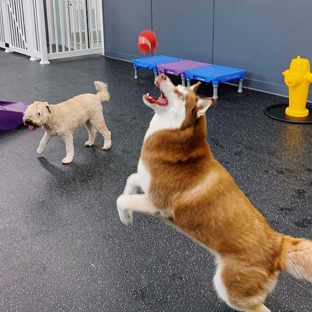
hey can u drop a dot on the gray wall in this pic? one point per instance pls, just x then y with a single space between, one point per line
123 21
259 36
184 30
262 37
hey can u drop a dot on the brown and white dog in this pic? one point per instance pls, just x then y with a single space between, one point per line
182 180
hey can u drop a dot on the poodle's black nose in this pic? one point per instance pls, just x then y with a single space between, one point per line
28 122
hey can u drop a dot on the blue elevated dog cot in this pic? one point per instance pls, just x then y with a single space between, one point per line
216 74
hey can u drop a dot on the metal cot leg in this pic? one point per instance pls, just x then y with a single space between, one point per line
136 73
215 90
183 81
240 86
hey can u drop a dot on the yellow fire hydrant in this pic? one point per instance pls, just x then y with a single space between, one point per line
298 79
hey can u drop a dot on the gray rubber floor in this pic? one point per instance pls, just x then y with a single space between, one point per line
62 246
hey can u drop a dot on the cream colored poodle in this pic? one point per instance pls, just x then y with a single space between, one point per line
64 118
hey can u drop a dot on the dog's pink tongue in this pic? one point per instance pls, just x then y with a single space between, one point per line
30 127
162 101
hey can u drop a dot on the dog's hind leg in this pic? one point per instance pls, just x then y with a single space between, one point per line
69 149
126 204
43 143
99 124
243 287
92 134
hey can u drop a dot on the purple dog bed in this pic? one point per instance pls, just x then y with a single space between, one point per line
178 68
11 114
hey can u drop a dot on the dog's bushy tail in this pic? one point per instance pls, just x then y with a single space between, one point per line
296 257
102 91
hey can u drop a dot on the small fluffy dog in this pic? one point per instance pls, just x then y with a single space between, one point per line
64 118
182 181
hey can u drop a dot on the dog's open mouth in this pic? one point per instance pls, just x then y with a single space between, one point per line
161 101
30 125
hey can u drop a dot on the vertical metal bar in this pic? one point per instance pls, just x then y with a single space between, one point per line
96 22
49 12
84 6
13 28
2 37
35 22
22 26
67 24
61 7
10 21
15 21
14 25
42 32
73 24
79 23
101 21
55 26
29 28
36 25
90 22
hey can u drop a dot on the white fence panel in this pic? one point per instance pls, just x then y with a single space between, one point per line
51 29
74 28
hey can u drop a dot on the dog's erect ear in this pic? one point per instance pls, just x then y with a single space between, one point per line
47 106
195 86
203 104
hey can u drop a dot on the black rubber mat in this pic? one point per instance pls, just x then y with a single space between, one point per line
62 245
278 112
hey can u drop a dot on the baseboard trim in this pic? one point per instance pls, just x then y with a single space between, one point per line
269 88
121 56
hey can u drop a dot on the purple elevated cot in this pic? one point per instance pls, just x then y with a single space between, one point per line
151 62
11 114
178 68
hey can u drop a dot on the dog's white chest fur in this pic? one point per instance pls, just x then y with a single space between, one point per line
165 121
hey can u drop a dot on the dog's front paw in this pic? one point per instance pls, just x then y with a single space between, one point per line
40 150
89 143
125 215
67 160
107 145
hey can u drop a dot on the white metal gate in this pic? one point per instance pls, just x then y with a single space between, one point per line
51 29
74 27
2 35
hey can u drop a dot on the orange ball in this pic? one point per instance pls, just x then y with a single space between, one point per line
147 42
